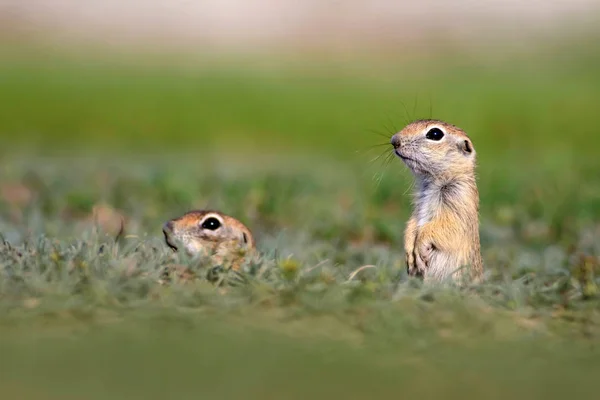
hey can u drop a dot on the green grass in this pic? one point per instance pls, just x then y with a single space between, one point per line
286 150
509 105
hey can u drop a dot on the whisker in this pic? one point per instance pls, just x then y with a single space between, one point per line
392 123
378 133
388 160
430 107
378 179
389 130
386 163
370 148
378 145
410 186
415 105
379 156
390 155
375 146
407 118
378 176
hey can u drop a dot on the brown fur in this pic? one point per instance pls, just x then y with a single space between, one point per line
441 239
230 243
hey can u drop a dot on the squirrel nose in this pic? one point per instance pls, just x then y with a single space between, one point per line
168 227
395 141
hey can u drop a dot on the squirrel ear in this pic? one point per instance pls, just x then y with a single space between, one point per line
466 147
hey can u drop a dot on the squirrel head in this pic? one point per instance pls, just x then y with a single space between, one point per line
433 148
211 233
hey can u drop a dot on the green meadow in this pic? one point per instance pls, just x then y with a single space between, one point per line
298 149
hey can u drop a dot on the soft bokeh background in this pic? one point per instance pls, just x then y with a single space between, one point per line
268 76
123 114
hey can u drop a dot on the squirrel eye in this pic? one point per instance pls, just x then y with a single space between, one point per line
211 224
435 134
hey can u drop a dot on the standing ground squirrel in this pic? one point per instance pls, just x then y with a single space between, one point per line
225 239
442 235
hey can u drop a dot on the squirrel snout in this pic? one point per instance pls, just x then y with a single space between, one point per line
168 227
168 231
395 141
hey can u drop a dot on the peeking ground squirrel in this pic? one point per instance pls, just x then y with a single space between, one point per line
442 235
221 237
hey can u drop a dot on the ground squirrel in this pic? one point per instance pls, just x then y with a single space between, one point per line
221 237
442 235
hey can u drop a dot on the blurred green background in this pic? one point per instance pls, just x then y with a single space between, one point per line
291 138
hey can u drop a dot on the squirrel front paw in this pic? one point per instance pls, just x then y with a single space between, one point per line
410 263
422 256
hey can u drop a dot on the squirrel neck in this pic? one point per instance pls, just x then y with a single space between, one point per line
442 182
457 193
